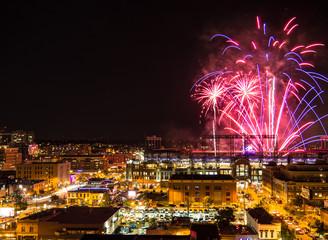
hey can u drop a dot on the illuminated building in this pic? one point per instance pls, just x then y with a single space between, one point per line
56 150
11 157
220 188
67 223
119 157
263 223
55 173
22 137
86 196
87 163
149 174
286 183
27 186
153 143
5 138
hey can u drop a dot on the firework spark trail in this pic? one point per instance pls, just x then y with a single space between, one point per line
209 94
273 98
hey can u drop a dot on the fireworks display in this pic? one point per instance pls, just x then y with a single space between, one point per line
269 92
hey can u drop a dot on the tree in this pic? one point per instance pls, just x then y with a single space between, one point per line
129 202
298 201
207 201
54 198
21 205
225 217
188 202
34 194
320 228
146 202
107 200
17 196
286 233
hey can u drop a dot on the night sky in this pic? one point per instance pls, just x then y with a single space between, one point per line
120 69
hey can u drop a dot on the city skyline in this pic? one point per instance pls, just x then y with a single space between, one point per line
120 70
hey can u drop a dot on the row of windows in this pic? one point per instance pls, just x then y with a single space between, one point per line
31 229
266 233
81 195
36 172
198 199
197 187
34 167
206 194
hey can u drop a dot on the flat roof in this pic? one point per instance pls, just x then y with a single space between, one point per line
91 190
31 163
133 237
262 216
75 215
201 177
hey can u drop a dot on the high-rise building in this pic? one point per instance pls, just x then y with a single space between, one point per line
56 173
153 142
9 157
22 137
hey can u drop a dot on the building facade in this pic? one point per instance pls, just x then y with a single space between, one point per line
10 157
71 223
263 223
87 163
285 182
55 173
86 196
220 188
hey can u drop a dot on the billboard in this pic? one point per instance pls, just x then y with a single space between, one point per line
7 212
306 193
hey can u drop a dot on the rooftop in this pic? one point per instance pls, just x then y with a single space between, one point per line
204 231
133 237
91 190
31 163
201 177
74 215
262 216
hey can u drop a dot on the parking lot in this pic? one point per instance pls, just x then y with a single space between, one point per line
166 214
140 218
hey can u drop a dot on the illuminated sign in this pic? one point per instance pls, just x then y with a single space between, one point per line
7 212
132 194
